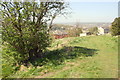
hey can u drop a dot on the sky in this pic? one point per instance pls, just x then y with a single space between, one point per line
82 11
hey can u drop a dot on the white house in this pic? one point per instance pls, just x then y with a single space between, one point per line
102 30
84 34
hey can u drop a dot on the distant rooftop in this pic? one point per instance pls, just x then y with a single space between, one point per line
59 32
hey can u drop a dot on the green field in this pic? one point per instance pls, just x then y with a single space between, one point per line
77 57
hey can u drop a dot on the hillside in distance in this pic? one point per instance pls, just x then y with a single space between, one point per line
82 25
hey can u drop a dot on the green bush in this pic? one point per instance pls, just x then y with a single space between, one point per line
93 30
115 28
24 27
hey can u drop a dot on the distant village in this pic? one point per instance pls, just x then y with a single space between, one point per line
61 31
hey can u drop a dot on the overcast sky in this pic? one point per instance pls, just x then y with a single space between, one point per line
88 11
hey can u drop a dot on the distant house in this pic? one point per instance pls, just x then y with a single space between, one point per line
58 34
85 34
102 30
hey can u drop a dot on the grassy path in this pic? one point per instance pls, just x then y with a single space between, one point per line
101 65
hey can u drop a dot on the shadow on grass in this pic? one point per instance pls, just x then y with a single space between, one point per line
57 57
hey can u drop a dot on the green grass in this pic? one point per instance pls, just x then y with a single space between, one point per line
77 57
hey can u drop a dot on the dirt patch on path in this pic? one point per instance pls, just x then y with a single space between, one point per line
67 67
